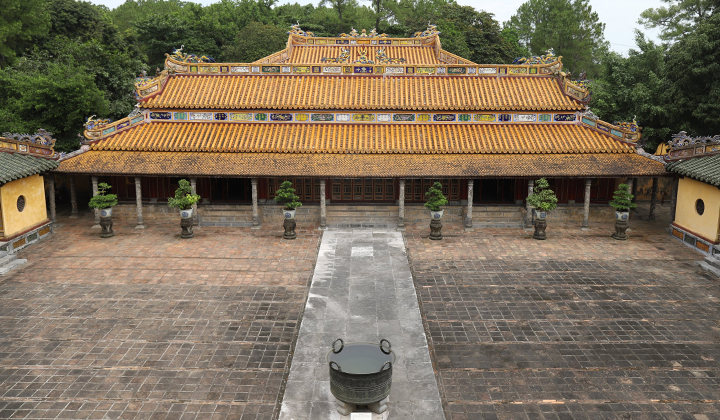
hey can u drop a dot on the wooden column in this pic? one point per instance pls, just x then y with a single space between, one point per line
673 202
193 189
653 198
586 204
323 210
94 180
528 215
401 205
255 212
73 199
138 203
50 182
468 217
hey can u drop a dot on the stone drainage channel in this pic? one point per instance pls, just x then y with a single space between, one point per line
362 291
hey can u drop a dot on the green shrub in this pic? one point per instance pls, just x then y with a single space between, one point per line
103 200
542 198
622 199
184 198
435 197
286 195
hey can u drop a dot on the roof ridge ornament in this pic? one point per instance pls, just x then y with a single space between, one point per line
430 31
343 57
190 58
295 30
683 146
363 34
39 144
547 58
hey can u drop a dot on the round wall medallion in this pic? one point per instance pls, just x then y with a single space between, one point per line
700 206
21 203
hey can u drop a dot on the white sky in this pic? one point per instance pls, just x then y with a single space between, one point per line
620 16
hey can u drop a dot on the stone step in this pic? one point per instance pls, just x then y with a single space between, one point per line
496 208
7 259
709 268
714 261
11 265
509 224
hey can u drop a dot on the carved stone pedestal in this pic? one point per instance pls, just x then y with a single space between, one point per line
289 225
620 228
345 408
379 407
186 223
540 226
106 225
435 230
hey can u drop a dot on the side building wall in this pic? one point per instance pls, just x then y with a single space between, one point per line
707 225
34 213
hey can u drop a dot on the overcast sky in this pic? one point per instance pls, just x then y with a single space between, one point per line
620 16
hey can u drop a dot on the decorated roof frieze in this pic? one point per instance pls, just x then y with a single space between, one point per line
97 129
38 144
683 146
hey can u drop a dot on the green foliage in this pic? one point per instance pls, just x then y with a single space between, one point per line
159 35
542 198
20 20
569 26
103 200
435 198
286 195
184 198
693 80
634 86
254 42
679 17
622 199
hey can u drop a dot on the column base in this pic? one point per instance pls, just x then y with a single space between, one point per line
73 216
323 228
255 227
140 227
95 227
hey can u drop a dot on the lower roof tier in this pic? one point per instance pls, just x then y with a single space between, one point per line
363 138
360 165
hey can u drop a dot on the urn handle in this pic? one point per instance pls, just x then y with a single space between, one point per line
337 367
389 346
342 346
388 364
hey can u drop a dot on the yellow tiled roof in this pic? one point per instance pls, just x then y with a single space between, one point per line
369 92
315 54
362 138
361 165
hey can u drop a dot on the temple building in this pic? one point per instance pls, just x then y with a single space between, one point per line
24 160
696 219
362 124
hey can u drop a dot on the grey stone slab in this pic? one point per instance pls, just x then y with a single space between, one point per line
362 290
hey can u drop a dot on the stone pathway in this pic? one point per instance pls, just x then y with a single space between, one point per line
362 290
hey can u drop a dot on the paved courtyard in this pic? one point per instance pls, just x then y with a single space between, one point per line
579 326
147 326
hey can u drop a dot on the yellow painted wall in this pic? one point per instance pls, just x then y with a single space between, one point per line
35 212
707 225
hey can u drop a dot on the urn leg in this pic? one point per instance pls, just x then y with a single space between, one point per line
379 407
345 408
187 228
540 226
106 225
435 230
620 228
289 225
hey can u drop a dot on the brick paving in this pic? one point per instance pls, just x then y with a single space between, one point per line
579 326
145 325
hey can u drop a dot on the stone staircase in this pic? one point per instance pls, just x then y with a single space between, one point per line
9 262
711 264
225 215
497 216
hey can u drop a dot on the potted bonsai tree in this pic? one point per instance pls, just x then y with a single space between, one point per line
622 203
285 195
434 203
183 201
104 202
543 200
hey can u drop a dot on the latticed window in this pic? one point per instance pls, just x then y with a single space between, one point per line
363 189
307 189
415 189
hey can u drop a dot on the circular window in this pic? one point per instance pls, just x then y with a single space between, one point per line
700 206
21 203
